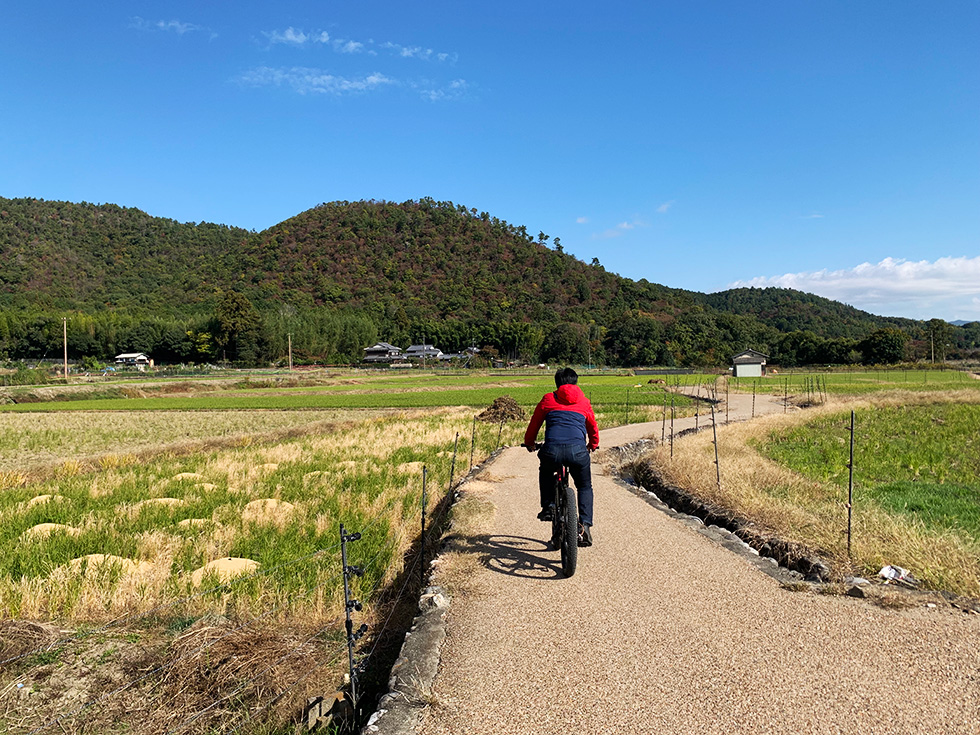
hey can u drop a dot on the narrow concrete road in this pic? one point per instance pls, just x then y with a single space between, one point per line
663 631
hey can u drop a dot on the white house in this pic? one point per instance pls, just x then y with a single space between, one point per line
423 352
382 352
749 364
132 358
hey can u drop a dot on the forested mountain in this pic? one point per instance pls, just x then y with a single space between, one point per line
343 274
87 256
789 310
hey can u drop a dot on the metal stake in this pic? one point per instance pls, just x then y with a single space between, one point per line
663 425
850 487
425 473
714 431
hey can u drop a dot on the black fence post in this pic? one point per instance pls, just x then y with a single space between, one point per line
697 409
473 442
452 468
714 431
350 604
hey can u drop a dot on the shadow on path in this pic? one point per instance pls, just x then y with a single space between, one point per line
516 556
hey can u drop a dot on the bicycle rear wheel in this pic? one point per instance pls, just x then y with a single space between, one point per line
569 531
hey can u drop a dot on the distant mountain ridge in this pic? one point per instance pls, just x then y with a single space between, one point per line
435 259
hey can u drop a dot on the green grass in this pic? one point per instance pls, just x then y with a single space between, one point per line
861 382
410 392
921 461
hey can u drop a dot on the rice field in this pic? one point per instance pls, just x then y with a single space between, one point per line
40 439
375 392
920 461
161 521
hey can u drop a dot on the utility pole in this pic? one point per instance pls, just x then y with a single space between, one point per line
290 341
64 325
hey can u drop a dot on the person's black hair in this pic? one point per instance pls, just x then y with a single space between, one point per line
566 376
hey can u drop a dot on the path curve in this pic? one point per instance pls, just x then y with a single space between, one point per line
661 630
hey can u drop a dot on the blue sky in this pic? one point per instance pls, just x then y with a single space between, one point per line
832 147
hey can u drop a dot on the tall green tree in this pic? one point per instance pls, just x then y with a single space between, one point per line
238 333
940 335
885 347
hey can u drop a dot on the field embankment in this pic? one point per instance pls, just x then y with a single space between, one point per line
916 494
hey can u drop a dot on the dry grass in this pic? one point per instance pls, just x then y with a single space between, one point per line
814 513
29 441
472 518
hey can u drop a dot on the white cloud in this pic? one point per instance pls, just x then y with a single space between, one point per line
454 90
619 230
581 220
812 216
662 209
173 26
296 37
313 81
947 288
417 52
348 47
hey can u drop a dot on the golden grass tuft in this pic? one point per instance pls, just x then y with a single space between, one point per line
45 499
268 511
457 567
10 480
43 530
70 468
224 569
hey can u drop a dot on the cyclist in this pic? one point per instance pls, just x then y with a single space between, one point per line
570 434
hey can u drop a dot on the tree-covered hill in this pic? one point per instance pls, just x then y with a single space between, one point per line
343 274
437 260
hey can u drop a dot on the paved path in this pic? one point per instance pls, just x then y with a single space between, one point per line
662 631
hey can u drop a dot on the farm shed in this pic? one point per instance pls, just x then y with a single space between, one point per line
749 364
382 352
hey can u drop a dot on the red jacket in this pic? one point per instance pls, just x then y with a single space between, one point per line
568 419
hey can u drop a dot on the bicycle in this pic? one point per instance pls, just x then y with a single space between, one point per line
564 522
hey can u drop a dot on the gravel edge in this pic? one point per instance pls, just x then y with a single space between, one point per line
410 684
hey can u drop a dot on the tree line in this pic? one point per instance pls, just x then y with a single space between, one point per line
236 332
